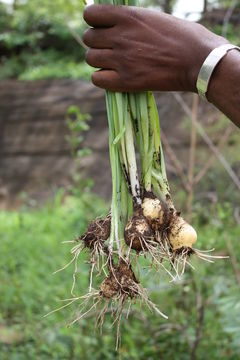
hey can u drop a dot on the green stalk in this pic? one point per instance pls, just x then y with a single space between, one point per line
124 167
159 174
131 159
112 163
129 115
125 141
144 135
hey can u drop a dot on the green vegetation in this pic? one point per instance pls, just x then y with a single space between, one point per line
31 250
40 41
232 34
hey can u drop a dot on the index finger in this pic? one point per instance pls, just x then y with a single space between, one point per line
101 15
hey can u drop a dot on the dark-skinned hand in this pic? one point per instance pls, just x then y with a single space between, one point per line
139 49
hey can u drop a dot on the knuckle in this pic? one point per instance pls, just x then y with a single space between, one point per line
95 78
133 13
118 40
88 56
127 58
127 80
85 36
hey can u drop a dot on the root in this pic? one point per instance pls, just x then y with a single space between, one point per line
158 256
82 314
204 255
142 295
100 318
97 259
70 301
117 291
182 255
77 250
159 250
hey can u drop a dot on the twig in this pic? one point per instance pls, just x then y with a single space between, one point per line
205 6
211 160
237 215
209 142
193 142
228 16
233 260
198 333
76 36
175 161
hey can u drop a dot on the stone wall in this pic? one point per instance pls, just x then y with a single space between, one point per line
34 154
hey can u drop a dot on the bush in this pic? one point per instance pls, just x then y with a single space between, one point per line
34 39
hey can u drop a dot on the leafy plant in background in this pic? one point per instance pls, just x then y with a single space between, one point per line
224 3
229 306
233 32
77 124
166 5
35 37
63 68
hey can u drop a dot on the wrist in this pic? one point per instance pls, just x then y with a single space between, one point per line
205 45
222 79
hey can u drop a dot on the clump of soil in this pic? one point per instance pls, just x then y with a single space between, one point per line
109 287
121 281
138 232
98 231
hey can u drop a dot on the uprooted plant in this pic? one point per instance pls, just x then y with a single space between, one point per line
142 219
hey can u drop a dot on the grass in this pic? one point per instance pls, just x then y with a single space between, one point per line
59 70
31 250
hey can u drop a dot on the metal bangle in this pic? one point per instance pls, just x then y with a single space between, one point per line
209 65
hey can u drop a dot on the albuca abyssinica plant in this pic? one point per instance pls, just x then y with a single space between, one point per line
142 219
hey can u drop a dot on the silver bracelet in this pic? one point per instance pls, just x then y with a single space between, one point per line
209 65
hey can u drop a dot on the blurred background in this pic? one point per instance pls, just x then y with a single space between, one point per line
55 177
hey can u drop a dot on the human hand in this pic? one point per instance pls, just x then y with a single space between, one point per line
139 49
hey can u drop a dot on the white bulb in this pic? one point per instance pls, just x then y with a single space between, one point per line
152 209
181 234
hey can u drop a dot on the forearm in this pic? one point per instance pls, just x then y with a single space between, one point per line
224 87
